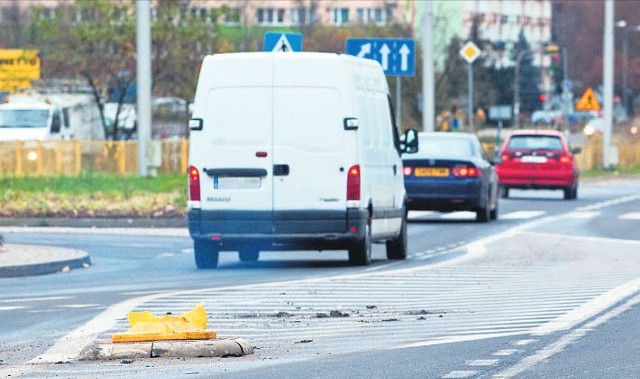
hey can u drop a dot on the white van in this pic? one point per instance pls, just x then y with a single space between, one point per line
294 151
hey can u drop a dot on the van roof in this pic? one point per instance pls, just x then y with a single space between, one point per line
262 55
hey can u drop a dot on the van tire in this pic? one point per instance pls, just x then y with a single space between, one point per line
397 248
206 254
249 255
360 252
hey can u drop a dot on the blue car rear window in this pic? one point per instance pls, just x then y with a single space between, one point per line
447 146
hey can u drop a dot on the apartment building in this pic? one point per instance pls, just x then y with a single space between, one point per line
258 12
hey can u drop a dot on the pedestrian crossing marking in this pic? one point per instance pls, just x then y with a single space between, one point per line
630 216
582 215
460 374
520 215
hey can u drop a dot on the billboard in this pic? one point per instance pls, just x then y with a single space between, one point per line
17 68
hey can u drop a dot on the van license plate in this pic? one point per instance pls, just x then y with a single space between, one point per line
432 171
226 182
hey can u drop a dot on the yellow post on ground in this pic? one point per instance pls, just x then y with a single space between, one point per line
145 327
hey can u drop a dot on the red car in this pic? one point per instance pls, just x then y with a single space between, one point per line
538 159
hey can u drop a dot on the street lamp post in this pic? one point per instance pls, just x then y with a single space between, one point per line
625 59
516 89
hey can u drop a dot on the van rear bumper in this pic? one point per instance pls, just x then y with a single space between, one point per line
279 230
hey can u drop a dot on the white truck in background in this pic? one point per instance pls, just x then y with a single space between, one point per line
50 116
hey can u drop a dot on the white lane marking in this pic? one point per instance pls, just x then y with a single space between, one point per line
589 309
630 216
586 238
78 306
560 344
44 310
165 255
187 251
505 352
522 215
459 374
583 215
418 214
483 362
11 308
524 342
456 339
458 215
27 299
608 203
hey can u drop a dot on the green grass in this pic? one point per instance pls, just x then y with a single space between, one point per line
95 183
601 173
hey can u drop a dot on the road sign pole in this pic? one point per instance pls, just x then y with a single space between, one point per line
399 102
470 89
608 83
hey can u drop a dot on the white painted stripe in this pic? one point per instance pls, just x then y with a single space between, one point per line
11 308
582 215
78 306
522 215
560 344
458 215
418 214
27 299
483 362
505 352
524 342
630 216
459 374
165 232
589 309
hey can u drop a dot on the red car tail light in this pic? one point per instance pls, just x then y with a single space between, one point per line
194 184
565 159
407 171
505 157
466 172
353 183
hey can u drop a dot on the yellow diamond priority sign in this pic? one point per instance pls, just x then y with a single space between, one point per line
470 52
588 101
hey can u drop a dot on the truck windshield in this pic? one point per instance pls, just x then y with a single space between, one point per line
23 118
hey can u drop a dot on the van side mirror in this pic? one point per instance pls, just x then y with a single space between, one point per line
409 141
55 123
576 150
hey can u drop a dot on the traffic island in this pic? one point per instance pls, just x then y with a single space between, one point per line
216 348
183 336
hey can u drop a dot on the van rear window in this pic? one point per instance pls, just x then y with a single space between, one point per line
534 143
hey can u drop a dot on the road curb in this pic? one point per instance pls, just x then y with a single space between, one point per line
48 260
218 348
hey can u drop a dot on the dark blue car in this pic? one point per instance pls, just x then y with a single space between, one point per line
450 172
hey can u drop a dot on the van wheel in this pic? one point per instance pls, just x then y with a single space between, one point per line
206 254
397 248
360 252
249 255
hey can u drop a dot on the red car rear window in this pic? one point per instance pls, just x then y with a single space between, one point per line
534 143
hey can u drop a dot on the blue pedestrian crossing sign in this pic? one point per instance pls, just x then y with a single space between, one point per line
283 42
397 56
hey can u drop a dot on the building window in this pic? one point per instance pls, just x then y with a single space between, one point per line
232 16
340 16
270 16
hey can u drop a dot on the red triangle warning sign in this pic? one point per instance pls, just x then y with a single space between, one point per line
588 101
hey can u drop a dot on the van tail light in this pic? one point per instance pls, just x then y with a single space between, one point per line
466 172
194 184
353 183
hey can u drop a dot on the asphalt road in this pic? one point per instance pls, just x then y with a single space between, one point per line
549 290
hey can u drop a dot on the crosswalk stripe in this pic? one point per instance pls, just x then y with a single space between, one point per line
521 215
630 216
582 215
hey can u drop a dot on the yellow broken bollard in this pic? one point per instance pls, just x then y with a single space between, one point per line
145 327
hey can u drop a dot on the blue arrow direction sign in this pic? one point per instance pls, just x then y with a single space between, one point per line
397 56
285 42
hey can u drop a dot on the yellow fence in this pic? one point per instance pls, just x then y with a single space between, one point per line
70 158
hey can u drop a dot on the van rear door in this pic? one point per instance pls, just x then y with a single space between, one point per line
236 150
311 147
